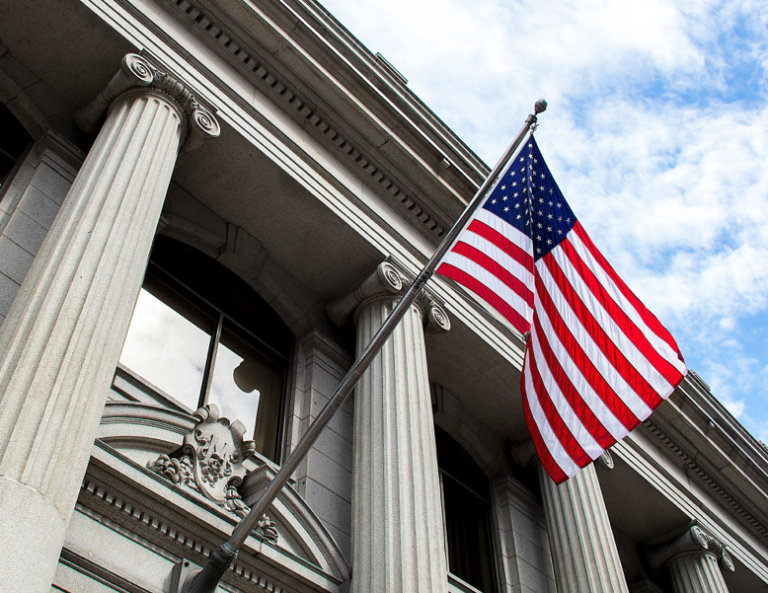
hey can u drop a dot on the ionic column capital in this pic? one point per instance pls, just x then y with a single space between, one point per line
388 281
524 452
694 540
138 73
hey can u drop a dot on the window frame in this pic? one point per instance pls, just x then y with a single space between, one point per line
444 437
171 282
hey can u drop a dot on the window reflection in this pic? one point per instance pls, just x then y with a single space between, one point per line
199 334
247 385
168 342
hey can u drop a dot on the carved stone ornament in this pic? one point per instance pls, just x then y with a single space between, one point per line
137 72
606 460
693 540
210 461
388 280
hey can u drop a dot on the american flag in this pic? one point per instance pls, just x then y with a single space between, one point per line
597 362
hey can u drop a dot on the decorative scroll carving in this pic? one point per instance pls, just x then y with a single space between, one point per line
387 280
210 461
177 470
693 540
606 460
137 72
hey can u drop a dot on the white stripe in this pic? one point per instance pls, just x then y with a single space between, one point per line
598 407
565 411
510 231
614 332
491 282
509 263
593 352
559 454
662 347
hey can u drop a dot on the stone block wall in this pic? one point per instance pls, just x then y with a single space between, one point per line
28 205
523 555
324 479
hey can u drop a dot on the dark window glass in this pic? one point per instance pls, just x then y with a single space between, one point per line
466 509
201 335
14 140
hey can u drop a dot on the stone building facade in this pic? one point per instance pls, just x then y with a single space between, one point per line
206 209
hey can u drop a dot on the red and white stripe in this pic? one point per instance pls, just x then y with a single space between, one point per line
597 361
493 259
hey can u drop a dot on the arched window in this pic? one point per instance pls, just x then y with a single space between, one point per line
200 334
14 140
467 517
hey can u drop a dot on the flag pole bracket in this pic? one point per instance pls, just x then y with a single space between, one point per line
182 574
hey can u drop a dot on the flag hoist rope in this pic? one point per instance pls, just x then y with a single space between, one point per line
208 578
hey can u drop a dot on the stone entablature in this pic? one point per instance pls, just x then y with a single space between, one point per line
297 101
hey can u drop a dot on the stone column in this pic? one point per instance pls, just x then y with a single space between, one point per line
397 527
695 561
61 340
584 552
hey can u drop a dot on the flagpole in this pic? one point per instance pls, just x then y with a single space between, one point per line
208 578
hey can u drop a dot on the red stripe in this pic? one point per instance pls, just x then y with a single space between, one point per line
545 457
562 432
620 317
572 396
501 241
612 352
648 318
473 284
581 360
490 264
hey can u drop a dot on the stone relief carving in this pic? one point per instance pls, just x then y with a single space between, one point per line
137 72
210 461
693 540
388 279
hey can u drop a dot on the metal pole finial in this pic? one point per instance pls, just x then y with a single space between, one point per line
540 106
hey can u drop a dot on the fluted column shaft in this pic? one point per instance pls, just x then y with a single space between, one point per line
584 552
695 560
397 527
697 572
61 340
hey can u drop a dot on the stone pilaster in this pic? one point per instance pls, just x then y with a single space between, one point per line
695 561
584 552
61 340
397 527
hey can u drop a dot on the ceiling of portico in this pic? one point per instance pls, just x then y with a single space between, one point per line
245 187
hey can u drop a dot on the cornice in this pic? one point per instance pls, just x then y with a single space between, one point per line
310 115
654 429
705 409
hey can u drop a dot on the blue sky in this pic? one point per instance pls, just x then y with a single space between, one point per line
657 133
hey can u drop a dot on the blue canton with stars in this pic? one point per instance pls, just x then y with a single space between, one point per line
546 218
